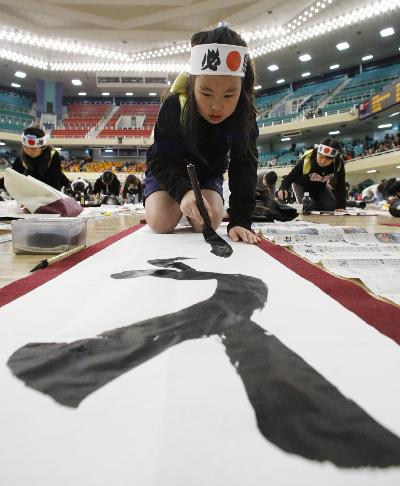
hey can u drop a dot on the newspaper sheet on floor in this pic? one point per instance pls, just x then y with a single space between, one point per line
347 251
381 276
5 238
315 253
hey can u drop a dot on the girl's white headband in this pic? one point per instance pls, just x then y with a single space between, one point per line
218 59
327 151
33 141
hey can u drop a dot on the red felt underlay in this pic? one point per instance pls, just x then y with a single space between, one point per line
24 285
381 315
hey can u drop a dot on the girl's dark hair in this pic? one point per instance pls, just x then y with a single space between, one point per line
37 131
384 186
132 179
331 142
244 116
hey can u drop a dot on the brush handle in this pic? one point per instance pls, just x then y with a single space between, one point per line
197 194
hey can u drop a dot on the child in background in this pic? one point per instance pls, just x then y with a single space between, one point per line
39 160
320 172
133 190
209 114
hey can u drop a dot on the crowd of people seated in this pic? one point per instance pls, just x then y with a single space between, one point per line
371 146
87 165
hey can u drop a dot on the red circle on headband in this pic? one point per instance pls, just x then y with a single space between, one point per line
233 60
31 142
327 150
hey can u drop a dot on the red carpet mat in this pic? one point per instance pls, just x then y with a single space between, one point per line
381 315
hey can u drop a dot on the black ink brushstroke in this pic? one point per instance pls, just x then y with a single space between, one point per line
296 408
219 246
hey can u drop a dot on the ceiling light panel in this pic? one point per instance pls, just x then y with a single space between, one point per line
342 46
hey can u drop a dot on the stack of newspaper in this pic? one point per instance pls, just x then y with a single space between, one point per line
347 251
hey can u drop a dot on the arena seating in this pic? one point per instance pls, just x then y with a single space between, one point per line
149 110
81 118
14 112
313 92
361 87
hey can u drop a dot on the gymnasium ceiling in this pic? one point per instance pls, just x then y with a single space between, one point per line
132 27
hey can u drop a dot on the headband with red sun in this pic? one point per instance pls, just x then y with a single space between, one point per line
218 60
327 151
30 140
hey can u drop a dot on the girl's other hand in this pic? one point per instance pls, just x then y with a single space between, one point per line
238 233
189 208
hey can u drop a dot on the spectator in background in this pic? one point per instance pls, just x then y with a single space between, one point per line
133 190
107 184
39 160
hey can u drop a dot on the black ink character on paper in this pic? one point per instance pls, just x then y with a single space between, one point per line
295 407
211 60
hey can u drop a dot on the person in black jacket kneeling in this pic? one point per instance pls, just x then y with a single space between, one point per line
320 172
39 160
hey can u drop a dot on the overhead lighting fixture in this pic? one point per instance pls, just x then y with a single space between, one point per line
105 93
371 171
385 125
334 66
286 139
256 88
2 143
342 46
304 75
394 114
280 81
20 74
58 149
273 67
128 94
387 32
335 132
152 94
15 85
397 166
367 57
305 57
81 93
76 82
109 150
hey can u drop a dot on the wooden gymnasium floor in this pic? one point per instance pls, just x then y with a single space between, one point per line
14 267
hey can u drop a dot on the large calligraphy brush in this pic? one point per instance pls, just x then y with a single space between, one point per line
219 246
45 263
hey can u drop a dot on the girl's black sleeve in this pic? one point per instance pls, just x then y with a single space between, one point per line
242 181
293 176
54 176
340 189
17 165
167 157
